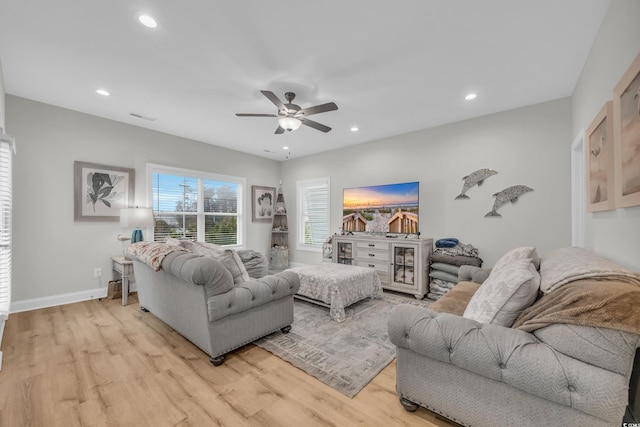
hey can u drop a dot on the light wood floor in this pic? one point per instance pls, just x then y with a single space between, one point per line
97 363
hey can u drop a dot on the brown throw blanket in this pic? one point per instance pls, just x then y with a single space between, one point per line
613 304
455 301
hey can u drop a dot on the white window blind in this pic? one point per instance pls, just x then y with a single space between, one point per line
196 205
7 150
313 213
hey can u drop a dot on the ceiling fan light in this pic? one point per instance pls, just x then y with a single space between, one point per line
289 123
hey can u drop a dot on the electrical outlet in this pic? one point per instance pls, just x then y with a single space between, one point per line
97 272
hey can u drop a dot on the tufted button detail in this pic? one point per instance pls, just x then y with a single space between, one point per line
406 335
571 388
450 349
502 365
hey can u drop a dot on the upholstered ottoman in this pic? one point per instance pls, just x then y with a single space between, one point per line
337 286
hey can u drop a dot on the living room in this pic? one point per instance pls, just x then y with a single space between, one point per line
54 263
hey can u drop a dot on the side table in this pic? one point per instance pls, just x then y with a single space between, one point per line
124 267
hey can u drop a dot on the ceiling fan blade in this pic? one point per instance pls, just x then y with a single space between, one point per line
315 125
329 106
255 115
273 98
279 130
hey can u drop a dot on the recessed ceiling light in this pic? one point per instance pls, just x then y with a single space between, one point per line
285 148
102 92
148 21
354 129
470 96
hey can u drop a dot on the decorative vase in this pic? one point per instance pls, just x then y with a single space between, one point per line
136 236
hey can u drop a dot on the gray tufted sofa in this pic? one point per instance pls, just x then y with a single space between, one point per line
479 374
196 296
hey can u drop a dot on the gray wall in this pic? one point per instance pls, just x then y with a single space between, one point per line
526 146
615 234
54 255
2 98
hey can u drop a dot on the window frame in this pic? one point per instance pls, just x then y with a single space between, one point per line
301 187
200 213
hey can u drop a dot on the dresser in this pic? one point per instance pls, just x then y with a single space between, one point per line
401 263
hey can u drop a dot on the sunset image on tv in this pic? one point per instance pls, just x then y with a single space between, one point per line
391 208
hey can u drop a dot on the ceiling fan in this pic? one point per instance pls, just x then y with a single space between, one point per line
291 116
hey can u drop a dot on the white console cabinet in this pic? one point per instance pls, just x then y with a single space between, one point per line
401 263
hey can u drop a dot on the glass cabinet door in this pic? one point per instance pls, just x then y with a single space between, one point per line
345 253
403 262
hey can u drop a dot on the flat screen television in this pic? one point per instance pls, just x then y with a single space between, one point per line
390 208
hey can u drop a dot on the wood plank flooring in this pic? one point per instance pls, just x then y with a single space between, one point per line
97 363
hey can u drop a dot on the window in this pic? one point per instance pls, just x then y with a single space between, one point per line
7 150
196 205
313 213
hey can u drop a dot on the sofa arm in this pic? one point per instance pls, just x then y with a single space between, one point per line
253 293
199 270
510 356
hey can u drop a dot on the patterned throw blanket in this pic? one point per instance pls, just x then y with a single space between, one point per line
152 253
597 302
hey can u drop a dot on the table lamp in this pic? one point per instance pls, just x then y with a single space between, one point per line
136 218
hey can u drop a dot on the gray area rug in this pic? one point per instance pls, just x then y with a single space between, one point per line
346 356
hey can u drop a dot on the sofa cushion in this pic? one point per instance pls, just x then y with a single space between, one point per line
509 289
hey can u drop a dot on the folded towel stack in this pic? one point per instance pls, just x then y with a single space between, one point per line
446 260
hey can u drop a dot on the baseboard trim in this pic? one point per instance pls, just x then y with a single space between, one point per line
55 300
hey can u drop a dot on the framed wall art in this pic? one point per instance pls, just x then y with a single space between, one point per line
100 191
626 132
600 175
263 200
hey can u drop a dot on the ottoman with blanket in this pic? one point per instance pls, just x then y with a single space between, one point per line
500 354
197 296
337 286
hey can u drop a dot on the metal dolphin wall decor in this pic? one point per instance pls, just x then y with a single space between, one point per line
509 194
474 178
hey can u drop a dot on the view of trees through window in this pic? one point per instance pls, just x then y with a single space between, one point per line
195 208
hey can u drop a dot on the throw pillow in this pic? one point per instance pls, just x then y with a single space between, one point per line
173 242
228 257
505 294
519 253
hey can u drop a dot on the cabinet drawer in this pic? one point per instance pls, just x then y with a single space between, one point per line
383 246
377 264
372 254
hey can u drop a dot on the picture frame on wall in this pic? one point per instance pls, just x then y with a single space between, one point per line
626 132
599 168
100 191
263 201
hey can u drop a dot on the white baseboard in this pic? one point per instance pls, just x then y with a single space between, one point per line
54 300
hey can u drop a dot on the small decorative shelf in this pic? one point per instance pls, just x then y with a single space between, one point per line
279 251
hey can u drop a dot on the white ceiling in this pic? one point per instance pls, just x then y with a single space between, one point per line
392 67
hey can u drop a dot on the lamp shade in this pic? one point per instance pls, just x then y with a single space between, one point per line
136 217
289 123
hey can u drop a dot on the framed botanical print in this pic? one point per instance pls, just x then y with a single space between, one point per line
100 191
599 172
626 131
263 200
